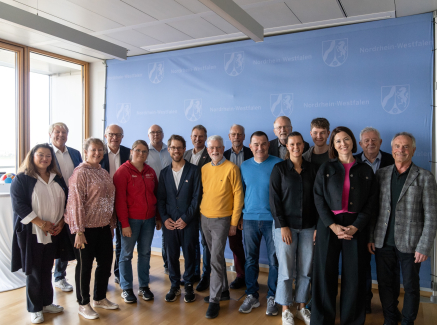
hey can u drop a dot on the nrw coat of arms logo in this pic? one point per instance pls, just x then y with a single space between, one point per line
193 109
335 52
234 63
123 112
156 72
395 99
281 104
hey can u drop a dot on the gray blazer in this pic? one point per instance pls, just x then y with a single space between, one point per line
416 211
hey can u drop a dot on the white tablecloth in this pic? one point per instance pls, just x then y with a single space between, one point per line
8 280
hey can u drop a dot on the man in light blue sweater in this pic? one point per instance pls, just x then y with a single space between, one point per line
258 222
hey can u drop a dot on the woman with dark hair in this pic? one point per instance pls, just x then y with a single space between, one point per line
135 203
39 195
92 222
345 194
295 217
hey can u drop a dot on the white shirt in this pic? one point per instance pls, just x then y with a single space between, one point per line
114 161
65 163
48 203
177 176
195 157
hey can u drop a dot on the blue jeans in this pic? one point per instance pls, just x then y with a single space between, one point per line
142 233
302 244
253 231
60 270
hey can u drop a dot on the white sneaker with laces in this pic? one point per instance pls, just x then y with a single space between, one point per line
287 317
37 317
63 285
305 315
52 309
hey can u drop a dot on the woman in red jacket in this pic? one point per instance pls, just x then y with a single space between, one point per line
135 202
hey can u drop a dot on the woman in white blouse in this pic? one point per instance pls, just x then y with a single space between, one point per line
38 196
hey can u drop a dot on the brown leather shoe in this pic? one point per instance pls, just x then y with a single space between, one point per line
87 312
105 304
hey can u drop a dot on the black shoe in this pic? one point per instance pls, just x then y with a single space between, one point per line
213 310
182 283
117 280
146 293
195 278
238 283
172 294
224 296
203 284
189 293
128 296
369 307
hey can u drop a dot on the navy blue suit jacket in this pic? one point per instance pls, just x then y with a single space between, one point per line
182 202
75 155
124 156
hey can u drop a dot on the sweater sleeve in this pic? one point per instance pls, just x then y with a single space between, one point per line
75 212
120 183
237 188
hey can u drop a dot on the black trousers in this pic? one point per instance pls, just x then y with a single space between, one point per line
99 247
39 290
117 250
325 276
388 259
369 293
175 239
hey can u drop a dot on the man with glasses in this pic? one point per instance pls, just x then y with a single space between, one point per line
178 203
158 159
67 159
238 154
282 128
220 209
115 156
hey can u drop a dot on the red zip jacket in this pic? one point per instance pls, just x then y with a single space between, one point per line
135 193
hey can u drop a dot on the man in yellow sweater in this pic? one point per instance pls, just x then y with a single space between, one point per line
220 209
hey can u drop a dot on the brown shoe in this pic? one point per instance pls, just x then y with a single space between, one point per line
87 312
105 304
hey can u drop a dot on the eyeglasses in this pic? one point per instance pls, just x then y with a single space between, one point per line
283 127
155 132
176 148
215 148
115 135
143 152
41 156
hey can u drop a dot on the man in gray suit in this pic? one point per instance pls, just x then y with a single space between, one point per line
404 229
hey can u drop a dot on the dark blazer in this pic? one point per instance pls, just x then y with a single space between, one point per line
75 157
124 156
274 149
247 153
202 161
182 202
386 159
363 193
416 210
21 195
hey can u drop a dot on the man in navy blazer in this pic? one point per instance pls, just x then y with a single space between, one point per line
67 159
115 156
178 202
370 142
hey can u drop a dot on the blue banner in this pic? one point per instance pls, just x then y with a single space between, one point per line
375 74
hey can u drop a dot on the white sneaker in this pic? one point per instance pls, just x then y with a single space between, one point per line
63 285
287 317
305 315
52 309
37 317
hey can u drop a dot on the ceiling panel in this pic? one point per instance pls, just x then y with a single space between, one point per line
133 50
413 7
273 15
360 7
164 33
115 10
134 37
219 22
196 27
315 10
161 9
194 6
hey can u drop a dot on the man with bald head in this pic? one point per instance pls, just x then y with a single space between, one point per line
158 159
115 156
282 128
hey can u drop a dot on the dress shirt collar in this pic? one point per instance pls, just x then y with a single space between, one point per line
110 152
290 164
239 153
56 149
151 147
220 162
280 144
378 157
52 177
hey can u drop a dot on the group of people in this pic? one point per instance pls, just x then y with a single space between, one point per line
309 203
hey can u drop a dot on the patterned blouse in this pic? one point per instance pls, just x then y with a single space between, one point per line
90 199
